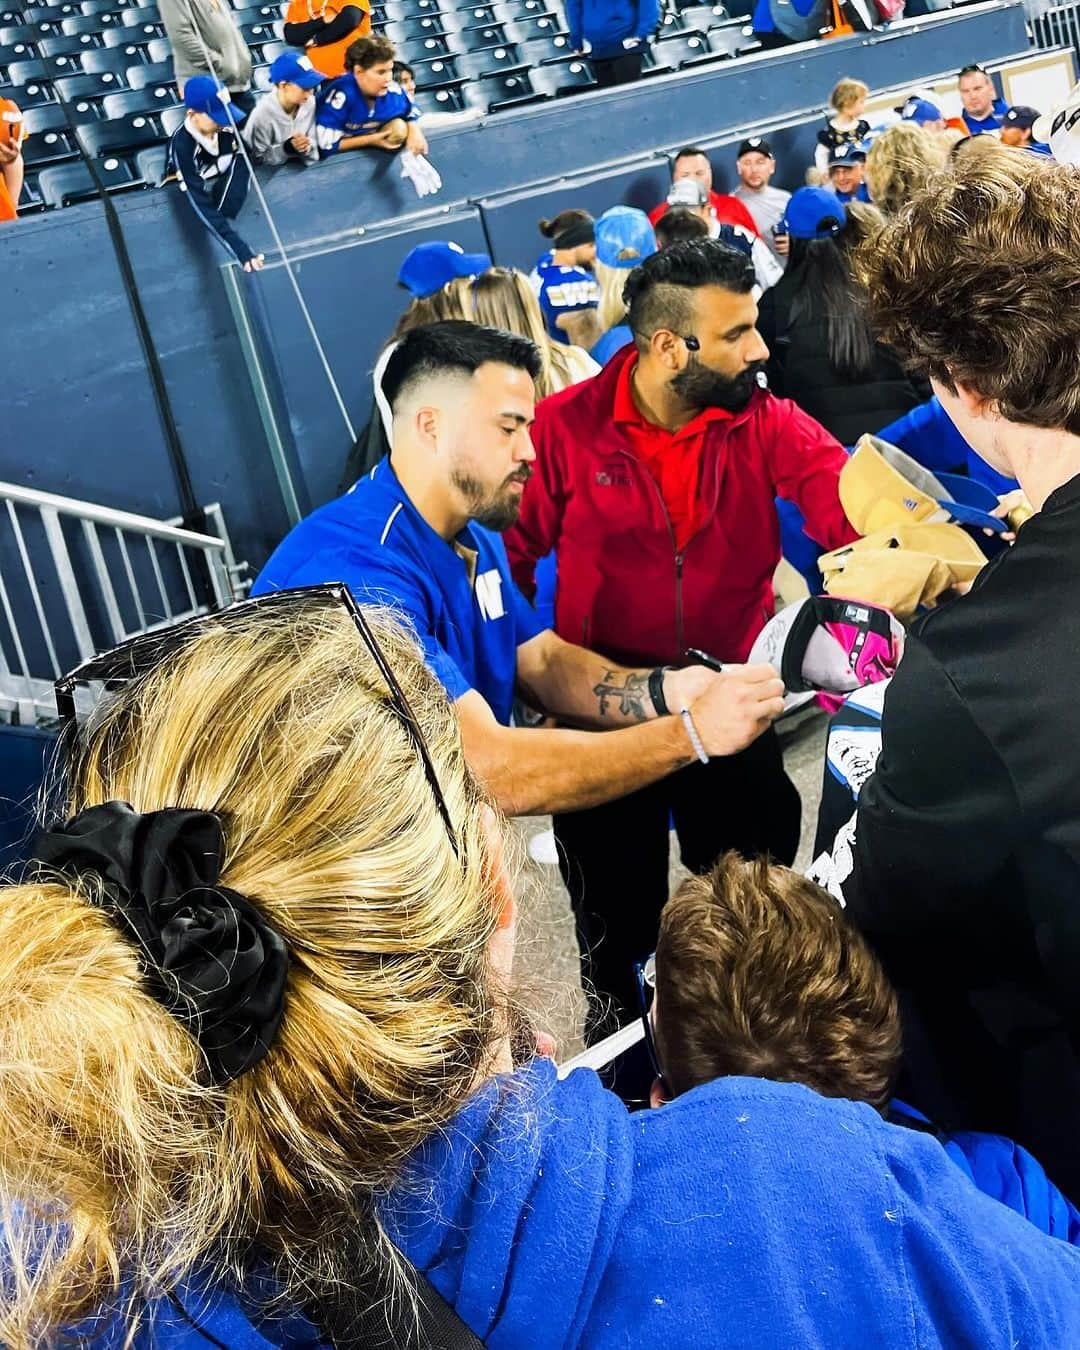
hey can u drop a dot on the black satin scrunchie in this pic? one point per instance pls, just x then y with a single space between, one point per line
209 956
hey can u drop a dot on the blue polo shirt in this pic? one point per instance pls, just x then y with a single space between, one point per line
861 194
342 110
460 598
978 125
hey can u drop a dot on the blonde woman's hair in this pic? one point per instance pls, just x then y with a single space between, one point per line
900 163
847 92
611 280
121 1168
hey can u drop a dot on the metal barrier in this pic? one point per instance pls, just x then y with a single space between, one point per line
77 578
1054 27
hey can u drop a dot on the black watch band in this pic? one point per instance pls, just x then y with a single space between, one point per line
656 690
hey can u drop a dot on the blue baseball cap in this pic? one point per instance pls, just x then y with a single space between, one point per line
813 213
296 69
428 267
848 153
920 111
204 94
624 237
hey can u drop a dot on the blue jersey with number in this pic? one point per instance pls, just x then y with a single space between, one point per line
341 110
562 290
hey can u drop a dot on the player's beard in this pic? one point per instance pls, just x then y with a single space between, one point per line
699 386
495 510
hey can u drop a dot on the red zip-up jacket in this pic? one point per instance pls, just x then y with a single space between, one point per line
623 589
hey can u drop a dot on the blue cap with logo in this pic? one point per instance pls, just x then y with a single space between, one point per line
428 267
204 94
293 68
813 213
624 237
849 154
920 111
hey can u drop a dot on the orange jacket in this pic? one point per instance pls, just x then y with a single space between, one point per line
329 60
11 134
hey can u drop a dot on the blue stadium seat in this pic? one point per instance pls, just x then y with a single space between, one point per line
136 15
30 200
704 17
158 49
153 99
44 117
127 37
272 50
559 78
410 9
41 148
134 132
89 86
97 24
101 8
150 165
67 183
270 14
733 39
43 68
117 59
65 44
490 61
263 31
10 18
447 98
20 34
439 70
681 50
538 51
53 13
476 16
537 25
157 72
171 118
260 78
505 89
481 37
407 30
17 49
426 49
524 9
33 94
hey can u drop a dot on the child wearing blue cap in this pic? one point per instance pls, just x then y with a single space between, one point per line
214 176
282 127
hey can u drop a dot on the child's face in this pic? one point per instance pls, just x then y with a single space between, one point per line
204 123
408 82
855 110
374 80
292 95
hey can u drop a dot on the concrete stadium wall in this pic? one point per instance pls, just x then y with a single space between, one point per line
79 412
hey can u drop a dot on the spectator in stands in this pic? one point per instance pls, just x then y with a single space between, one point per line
616 34
655 484
406 77
755 166
847 164
776 23
962 870
1017 130
927 115
563 280
900 163
690 162
817 327
225 1101
846 125
983 110
421 531
364 109
282 127
11 160
759 973
679 224
624 239
326 29
206 41
205 152
690 195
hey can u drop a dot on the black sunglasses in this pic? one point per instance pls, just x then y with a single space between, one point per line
645 974
139 655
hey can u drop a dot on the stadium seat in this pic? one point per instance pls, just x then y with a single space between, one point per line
439 70
171 118
158 49
505 89
34 94
482 37
10 18
146 31
137 15
525 9
490 61
559 78
53 13
409 30
42 148
89 86
409 9
272 50
270 14
538 26
704 17
538 51
258 32
44 117
476 16
150 165
733 40
260 78
66 183
18 49
43 68
100 8
153 99
117 59
64 44
681 50
30 201
20 35
134 132
447 98
158 72
95 24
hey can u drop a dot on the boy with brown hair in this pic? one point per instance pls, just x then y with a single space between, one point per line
364 108
759 974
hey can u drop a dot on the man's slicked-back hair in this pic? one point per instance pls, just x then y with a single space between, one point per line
660 293
688 152
977 282
433 349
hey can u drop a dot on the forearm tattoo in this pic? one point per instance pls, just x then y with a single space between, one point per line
631 688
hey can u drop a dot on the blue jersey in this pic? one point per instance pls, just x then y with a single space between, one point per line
342 110
459 597
859 195
977 126
562 290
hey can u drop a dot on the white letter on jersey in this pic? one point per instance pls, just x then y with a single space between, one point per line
489 594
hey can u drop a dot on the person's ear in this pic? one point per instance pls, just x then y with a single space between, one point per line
657 1095
427 421
667 347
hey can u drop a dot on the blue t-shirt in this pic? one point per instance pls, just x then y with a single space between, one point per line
861 194
978 125
562 290
614 340
460 597
342 110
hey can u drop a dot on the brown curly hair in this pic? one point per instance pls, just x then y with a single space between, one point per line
977 282
758 973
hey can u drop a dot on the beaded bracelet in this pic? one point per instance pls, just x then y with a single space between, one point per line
692 732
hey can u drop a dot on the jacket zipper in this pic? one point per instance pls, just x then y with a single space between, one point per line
680 649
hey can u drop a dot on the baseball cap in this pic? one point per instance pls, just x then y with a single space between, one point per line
296 69
688 192
428 267
1060 128
846 154
1020 116
813 213
624 236
204 94
920 110
755 145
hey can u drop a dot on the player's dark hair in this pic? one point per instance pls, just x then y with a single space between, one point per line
454 344
366 52
400 67
687 152
569 228
660 293
677 225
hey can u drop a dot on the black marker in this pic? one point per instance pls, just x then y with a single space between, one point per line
704 659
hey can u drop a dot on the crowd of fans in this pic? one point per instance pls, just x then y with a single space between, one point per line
267 1082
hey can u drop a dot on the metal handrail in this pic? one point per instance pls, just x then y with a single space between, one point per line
161 573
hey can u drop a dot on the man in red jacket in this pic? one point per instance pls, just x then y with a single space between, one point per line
693 163
655 483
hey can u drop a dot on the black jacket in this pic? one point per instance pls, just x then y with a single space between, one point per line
799 369
215 185
966 859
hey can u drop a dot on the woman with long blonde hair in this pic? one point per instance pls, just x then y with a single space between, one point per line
254 1034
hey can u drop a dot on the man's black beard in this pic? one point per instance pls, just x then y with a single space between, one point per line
700 387
496 510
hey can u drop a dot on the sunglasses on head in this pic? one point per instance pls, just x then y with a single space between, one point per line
140 655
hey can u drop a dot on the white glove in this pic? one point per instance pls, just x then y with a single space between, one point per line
422 174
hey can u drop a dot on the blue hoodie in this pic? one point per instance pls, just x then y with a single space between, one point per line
606 24
745 1214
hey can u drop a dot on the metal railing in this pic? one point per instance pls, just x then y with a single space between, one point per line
76 578
1058 26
